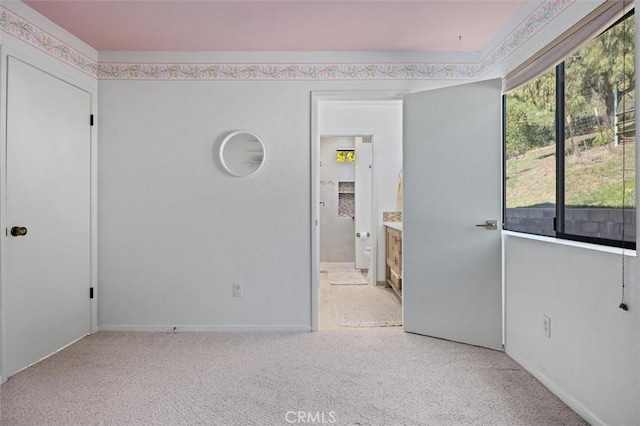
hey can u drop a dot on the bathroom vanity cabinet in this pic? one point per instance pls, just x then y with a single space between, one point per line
394 256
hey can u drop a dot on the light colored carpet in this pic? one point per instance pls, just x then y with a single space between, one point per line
370 377
346 278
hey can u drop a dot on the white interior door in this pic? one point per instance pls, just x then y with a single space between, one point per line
47 271
363 235
452 285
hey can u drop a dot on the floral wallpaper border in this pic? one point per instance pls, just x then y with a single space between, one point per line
540 17
20 28
315 71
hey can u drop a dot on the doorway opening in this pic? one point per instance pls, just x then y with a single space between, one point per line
357 155
451 262
349 296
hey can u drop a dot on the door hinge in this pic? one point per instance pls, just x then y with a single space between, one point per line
90 292
555 224
91 120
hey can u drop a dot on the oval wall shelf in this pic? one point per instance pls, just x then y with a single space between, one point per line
243 153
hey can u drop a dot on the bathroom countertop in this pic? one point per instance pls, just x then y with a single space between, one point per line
394 225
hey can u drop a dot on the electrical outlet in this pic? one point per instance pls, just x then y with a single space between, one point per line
237 289
546 326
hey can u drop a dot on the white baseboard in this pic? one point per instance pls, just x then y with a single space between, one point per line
573 403
205 328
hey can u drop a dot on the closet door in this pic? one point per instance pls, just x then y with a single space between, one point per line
46 279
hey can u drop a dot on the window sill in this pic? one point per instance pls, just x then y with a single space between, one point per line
578 244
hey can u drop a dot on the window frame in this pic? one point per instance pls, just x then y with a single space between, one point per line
559 219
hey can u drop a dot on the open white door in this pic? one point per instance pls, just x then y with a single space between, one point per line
363 235
452 274
46 277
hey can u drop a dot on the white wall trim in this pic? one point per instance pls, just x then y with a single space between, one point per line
206 328
13 24
573 403
571 243
315 209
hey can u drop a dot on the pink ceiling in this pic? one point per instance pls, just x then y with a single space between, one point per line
290 25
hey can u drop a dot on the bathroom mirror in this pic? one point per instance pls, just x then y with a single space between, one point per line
242 153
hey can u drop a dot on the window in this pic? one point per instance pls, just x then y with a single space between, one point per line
531 156
570 145
345 156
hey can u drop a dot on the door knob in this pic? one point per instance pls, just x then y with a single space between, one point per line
18 231
489 224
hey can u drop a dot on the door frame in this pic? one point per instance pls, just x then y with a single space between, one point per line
316 98
5 52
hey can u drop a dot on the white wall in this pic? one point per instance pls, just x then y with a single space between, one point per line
383 119
591 359
176 231
337 234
